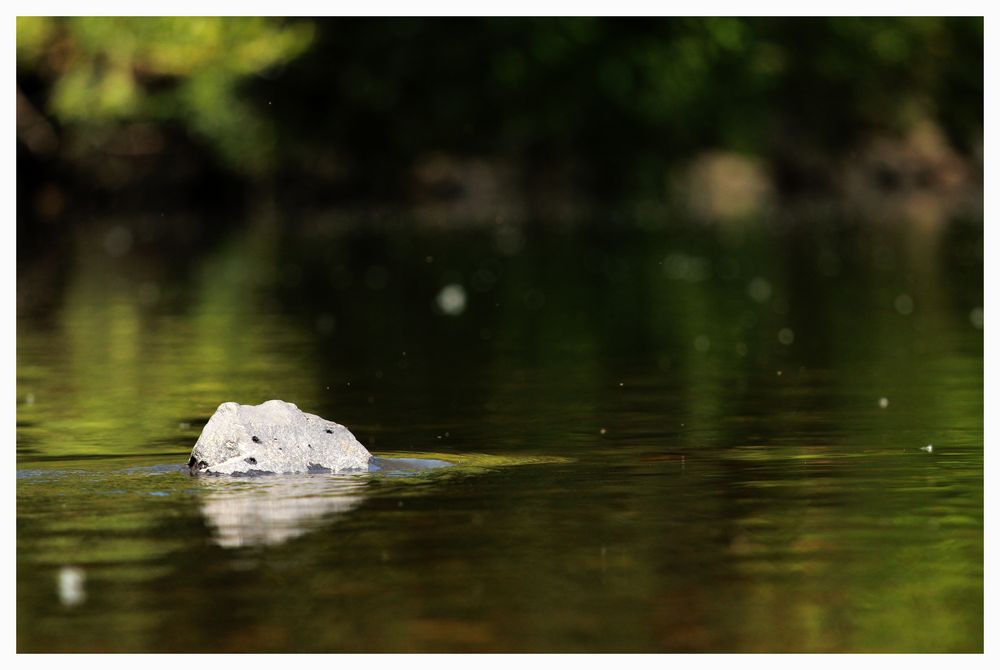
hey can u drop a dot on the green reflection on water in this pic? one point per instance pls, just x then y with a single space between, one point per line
641 463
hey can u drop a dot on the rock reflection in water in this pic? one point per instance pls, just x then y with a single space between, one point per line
270 510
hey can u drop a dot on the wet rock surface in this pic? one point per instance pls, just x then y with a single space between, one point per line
274 437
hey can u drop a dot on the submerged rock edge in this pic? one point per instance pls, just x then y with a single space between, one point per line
274 437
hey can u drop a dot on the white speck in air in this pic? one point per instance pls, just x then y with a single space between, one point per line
451 299
883 402
904 304
534 299
118 241
759 289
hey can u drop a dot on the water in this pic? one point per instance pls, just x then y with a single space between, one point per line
661 438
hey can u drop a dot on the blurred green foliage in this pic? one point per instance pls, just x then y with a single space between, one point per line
184 70
624 97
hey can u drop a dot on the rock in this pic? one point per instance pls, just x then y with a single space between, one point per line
274 437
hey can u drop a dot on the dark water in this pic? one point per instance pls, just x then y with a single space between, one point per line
664 438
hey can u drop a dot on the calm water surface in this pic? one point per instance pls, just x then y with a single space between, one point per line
662 439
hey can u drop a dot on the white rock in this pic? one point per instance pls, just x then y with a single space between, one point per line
275 436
